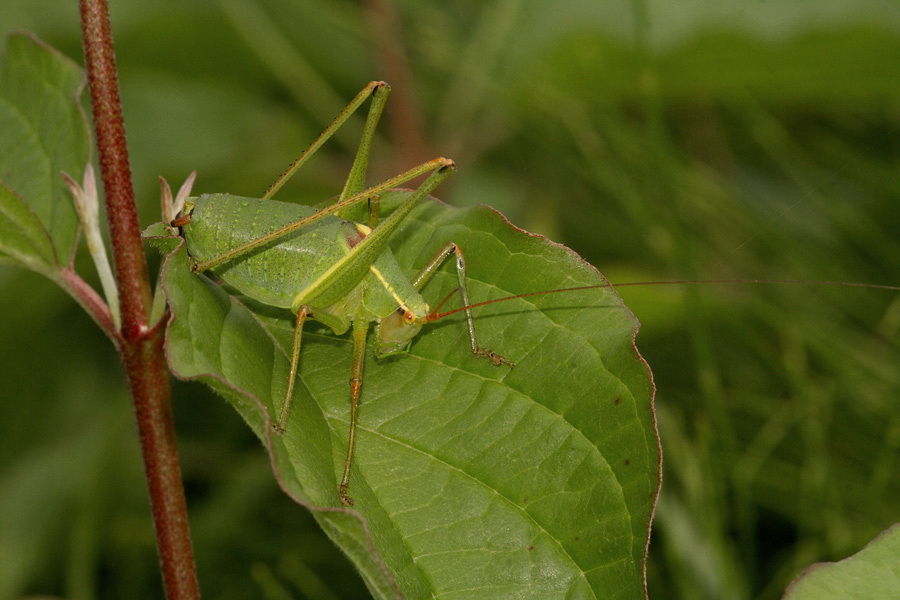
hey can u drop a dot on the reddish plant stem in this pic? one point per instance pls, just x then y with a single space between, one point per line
124 230
153 408
140 348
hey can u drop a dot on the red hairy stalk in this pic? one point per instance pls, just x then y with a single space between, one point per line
140 346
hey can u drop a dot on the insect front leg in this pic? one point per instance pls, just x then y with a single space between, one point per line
428 271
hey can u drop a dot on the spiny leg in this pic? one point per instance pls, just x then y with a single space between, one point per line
356 179
280 425
360 331
378 90
439 168
428 271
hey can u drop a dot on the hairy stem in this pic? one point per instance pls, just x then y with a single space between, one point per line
124 230
141 347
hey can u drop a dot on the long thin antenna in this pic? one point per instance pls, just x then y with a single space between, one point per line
434 315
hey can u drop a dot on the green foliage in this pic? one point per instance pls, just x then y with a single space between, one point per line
42 133
470 478
25 241
660 140
870 573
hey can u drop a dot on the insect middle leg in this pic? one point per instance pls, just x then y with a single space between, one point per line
280 425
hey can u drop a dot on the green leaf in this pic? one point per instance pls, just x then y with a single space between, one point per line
873 572
23 239
43 132
469 480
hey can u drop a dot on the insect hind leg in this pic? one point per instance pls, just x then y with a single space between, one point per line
378 91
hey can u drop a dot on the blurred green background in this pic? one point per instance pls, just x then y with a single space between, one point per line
660 140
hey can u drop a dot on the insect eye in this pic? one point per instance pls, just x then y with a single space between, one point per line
406 315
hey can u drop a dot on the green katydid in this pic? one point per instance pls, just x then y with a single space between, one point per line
324 266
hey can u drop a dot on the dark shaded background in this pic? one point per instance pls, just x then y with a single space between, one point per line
661 140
